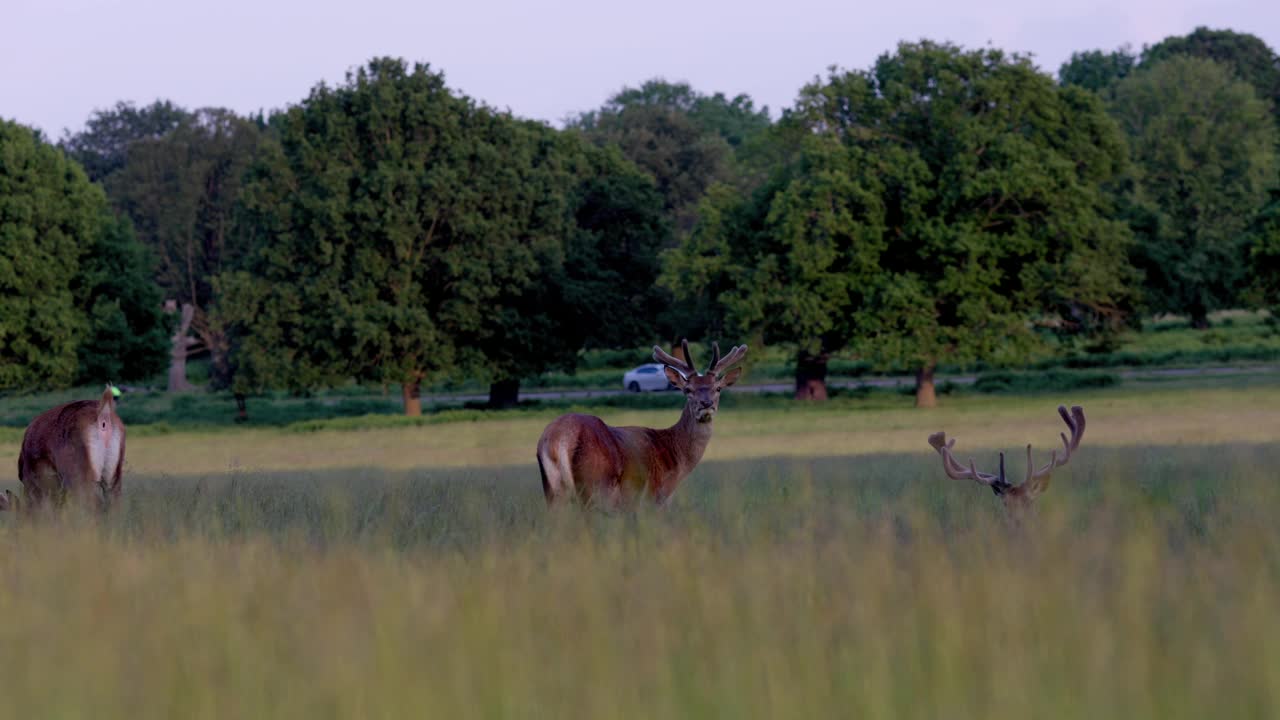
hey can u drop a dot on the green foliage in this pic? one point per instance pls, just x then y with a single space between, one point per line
102 147
127 338
1246 56
1203 149
941 202
682 138
681 157
402 232
735 120
49 215
181 190
609 294
1048 381
1097 70
1265 256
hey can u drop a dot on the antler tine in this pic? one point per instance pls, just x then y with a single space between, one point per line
1075 423
733 358
715 357
666 359
688 358
954 469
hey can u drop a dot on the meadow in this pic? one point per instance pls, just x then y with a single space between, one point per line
817 564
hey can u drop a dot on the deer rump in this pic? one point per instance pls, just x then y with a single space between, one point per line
73 449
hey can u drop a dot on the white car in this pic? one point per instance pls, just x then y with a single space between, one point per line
646 377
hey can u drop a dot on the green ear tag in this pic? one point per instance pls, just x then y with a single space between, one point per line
115 391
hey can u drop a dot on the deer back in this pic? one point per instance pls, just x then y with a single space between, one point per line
582 455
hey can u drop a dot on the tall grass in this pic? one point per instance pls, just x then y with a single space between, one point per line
1147 586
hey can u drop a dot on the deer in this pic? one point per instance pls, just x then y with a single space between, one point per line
608 467
75 449
1017 498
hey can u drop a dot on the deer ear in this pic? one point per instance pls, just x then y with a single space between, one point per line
731 377
674 377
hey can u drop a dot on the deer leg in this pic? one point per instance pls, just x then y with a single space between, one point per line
40 482
546 484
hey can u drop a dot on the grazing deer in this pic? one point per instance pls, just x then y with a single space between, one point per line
1017 498
74 449
607 466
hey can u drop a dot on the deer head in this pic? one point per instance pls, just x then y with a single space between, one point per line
702 392
1017 498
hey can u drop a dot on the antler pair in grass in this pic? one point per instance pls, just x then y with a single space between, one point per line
1015 497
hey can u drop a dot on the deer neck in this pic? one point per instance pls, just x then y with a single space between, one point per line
688 440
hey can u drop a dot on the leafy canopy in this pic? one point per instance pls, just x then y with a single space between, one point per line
128 333
102 147
942 202
1203 150
49 213
396 221
1247 57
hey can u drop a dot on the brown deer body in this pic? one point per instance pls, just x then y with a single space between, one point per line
76 450
608 466
1017 498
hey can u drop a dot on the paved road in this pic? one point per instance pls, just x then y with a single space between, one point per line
895 381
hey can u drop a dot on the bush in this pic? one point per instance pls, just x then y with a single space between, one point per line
1048 381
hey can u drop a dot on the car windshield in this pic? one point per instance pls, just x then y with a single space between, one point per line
647 370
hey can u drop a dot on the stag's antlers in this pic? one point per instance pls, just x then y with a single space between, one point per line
686 367
1035 482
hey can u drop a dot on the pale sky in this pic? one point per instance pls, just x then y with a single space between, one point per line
61 59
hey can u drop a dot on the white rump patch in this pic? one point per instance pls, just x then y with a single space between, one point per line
102 441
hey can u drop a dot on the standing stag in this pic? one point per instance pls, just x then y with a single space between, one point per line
1017 498
75 449
607 466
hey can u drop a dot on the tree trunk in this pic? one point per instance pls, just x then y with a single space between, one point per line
1199 318
180 344
926 393
504 394
242 410
411 390
811 376
221 371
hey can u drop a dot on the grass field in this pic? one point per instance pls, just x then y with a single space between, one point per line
817 564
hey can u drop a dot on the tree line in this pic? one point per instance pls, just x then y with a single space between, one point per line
942 205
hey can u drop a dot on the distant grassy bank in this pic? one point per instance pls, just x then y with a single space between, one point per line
1190 411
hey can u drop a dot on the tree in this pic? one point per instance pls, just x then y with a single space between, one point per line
393 224
181 190
103 146
127 336
682 159
1203 151
787 262
612 256
1245 56
49 212
735 120
943 203
1097 70
1265 257
682 138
